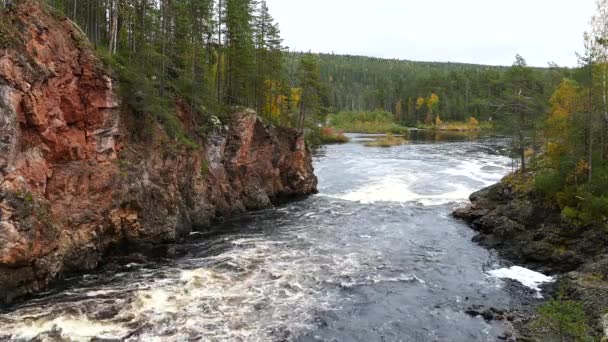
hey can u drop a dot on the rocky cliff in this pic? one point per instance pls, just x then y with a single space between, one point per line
72 183
530 231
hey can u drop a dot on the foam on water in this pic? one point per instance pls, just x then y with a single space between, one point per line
404 188
256 290
526 277
72 328
394 189
474 169
407 174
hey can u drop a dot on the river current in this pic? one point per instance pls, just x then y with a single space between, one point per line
375 256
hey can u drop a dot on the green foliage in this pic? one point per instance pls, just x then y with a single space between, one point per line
570 213
313 138
548 182
565 319
239 52
520 183
365 122
584 204
311 109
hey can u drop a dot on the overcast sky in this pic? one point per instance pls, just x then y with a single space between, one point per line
472 31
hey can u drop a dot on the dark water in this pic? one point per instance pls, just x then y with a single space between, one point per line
374 257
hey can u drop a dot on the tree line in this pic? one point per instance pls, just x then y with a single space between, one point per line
415 92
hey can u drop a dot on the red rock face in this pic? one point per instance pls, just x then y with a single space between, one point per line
58 130
69 189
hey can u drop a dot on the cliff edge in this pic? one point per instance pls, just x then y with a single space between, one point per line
73 183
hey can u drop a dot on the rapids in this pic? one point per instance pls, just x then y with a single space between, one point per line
375 256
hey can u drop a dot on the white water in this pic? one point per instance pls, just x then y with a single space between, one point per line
524 276
375 257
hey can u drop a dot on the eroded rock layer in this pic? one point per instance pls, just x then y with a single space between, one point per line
72 184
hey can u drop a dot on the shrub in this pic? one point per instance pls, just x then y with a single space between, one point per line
564 318
594 209
548 182
329 136
570 213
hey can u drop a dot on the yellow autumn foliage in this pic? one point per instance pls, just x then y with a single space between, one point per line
564 102
438 121
420 102
433 102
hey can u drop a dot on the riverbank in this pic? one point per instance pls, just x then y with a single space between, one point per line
527 230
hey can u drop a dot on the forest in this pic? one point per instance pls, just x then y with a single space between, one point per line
408 88
208 56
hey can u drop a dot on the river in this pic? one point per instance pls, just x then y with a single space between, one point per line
375 256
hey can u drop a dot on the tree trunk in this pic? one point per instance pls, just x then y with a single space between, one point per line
605 107
219 52
590 151
301 119
113 26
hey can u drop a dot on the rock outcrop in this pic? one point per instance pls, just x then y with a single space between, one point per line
527 230
72 184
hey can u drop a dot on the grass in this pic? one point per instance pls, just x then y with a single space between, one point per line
563 319
366 122
330 136
387 141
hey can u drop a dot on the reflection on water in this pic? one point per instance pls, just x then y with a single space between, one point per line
374 257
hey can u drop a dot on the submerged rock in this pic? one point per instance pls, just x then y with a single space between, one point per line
72 182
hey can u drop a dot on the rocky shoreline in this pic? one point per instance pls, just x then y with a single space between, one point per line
74 184
526 230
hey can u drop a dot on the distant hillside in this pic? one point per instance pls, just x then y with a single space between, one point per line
357 83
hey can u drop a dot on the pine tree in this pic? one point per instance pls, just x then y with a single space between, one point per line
240 52
309 81
519 106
